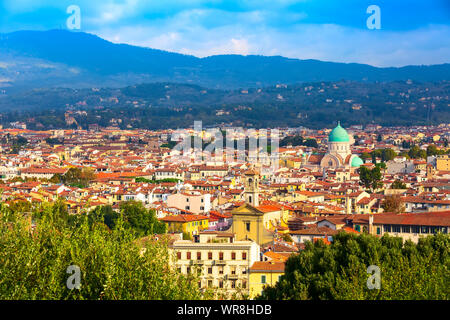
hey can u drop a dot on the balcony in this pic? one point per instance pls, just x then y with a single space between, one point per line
219 262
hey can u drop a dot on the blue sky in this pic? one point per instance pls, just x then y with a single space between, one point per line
412 31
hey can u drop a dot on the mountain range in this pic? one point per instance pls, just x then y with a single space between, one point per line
60 58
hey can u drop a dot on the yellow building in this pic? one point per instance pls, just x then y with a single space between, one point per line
443 162
186 223
264 273
252 221
249 224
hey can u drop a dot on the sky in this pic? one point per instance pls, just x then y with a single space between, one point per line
412 32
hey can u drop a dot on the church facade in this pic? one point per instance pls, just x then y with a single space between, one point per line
339 152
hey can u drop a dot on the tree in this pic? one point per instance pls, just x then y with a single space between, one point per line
393 203
339 271
78 177
112 264
388 154
142 221
416 153
397 184
370 178
104 214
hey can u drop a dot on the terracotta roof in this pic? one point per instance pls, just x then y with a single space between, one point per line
183 218
267 266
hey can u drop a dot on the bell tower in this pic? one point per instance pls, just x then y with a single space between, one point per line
252 187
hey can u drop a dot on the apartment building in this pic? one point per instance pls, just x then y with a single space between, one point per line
409 226
222 262
195 203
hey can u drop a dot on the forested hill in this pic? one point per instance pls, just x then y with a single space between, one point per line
169 105
35 59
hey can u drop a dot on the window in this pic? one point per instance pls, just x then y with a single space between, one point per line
210 283
233 284
244 255
233 270
221 256
233 256
425 229
210 270
378 230
220 270
395 228
199 256
178 255
247 226
221 284
188 255
263 279
188 270
244 284
387 228
406 229
209 255
244 271
415 229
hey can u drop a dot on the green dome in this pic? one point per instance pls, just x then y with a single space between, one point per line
357 162
338 134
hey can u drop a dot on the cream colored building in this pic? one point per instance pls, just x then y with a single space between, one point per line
223 263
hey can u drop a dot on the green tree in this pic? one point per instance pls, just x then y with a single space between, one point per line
339 271
397 184
112 264
140 219
370 178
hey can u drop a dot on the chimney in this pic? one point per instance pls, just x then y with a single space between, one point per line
348 205
371 224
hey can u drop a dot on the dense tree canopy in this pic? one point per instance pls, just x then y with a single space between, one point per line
339 271
34 262
370 178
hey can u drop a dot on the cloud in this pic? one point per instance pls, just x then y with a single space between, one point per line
417 33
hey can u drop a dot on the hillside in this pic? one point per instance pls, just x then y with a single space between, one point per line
169 105
58 58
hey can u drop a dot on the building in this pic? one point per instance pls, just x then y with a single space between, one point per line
195 203
409 226
223 263
339 153
252 221
443 162
264 273
187 223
